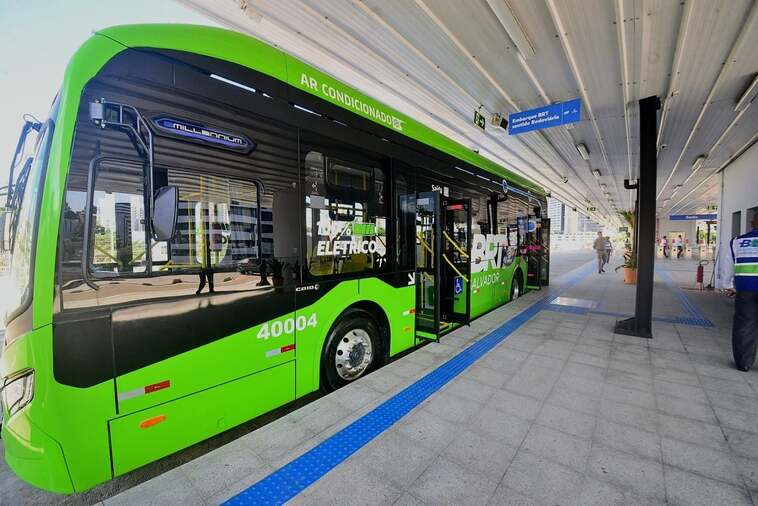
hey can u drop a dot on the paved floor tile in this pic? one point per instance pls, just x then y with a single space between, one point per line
506 496
515 404
214 471
397 457
546 481
687 392
560 447
643 476
692 431
172 487
427 429
570 399
481 454
701 460
690 489
451 407
628 439
445 482
626 414
567 420
500 426
351 484
631 396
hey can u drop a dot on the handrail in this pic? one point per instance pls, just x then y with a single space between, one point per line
454 268
424 244
455 244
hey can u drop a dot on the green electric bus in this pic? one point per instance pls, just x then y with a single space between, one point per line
208 228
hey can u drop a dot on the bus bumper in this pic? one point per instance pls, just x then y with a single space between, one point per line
34 456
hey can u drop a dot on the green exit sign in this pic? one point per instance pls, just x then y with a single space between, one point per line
592 209
479 120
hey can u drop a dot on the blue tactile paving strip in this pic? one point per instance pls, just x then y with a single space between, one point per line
294 477
696 317
680 320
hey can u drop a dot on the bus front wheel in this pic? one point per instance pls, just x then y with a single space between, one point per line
352 349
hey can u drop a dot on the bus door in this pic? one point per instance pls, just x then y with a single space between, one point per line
455 269
427 264
544 239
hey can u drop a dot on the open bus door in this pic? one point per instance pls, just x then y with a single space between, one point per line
428 217
456 262
443 243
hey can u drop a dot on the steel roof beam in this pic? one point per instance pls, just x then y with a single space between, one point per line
582 88
730 60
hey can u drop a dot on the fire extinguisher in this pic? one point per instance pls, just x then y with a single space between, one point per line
699 275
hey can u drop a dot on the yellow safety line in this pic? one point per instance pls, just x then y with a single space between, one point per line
455 244
454 268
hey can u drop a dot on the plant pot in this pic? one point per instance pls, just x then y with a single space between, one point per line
630 275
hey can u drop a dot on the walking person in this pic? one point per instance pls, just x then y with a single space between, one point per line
679 245
608 250
599 247
740 274
665 246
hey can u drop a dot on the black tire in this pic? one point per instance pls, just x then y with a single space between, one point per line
517 286
348 339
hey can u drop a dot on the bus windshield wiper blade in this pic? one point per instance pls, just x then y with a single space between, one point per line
29 125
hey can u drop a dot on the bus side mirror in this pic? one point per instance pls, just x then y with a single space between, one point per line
165 209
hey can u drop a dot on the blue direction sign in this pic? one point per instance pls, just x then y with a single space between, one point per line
683 217
545 117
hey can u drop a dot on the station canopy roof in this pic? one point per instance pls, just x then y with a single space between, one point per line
440 60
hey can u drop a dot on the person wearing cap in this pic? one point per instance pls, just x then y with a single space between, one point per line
740 275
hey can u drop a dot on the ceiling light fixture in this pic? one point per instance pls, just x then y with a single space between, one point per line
596 173
585 154
747 96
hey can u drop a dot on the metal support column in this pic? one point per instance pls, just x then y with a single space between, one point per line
641 324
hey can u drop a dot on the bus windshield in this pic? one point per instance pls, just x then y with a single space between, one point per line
23 223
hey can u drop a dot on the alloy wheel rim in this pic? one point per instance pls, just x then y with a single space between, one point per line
353 355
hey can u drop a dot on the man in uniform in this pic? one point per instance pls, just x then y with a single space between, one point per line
741 280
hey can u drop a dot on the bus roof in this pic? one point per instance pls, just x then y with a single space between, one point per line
255 54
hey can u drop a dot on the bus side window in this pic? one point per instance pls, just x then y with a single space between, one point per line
345 216
405 215
118 240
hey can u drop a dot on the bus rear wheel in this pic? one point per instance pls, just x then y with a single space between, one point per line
516 286
352 349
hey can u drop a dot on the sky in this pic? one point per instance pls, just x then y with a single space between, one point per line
38 37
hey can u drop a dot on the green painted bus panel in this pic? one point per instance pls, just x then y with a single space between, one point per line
237 355
71 418
394 302
155 432
34 456
209 41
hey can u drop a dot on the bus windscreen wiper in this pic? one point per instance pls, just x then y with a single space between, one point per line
15 189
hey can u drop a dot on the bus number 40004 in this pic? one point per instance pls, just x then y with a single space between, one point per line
287 326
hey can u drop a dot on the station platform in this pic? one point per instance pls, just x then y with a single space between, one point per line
537 402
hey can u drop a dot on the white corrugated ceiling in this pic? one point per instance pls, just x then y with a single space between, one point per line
439 60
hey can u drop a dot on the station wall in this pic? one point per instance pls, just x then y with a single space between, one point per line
739 194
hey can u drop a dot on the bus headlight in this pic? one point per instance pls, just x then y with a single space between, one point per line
18 392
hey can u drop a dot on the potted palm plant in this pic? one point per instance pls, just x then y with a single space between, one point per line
630 267
630 257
